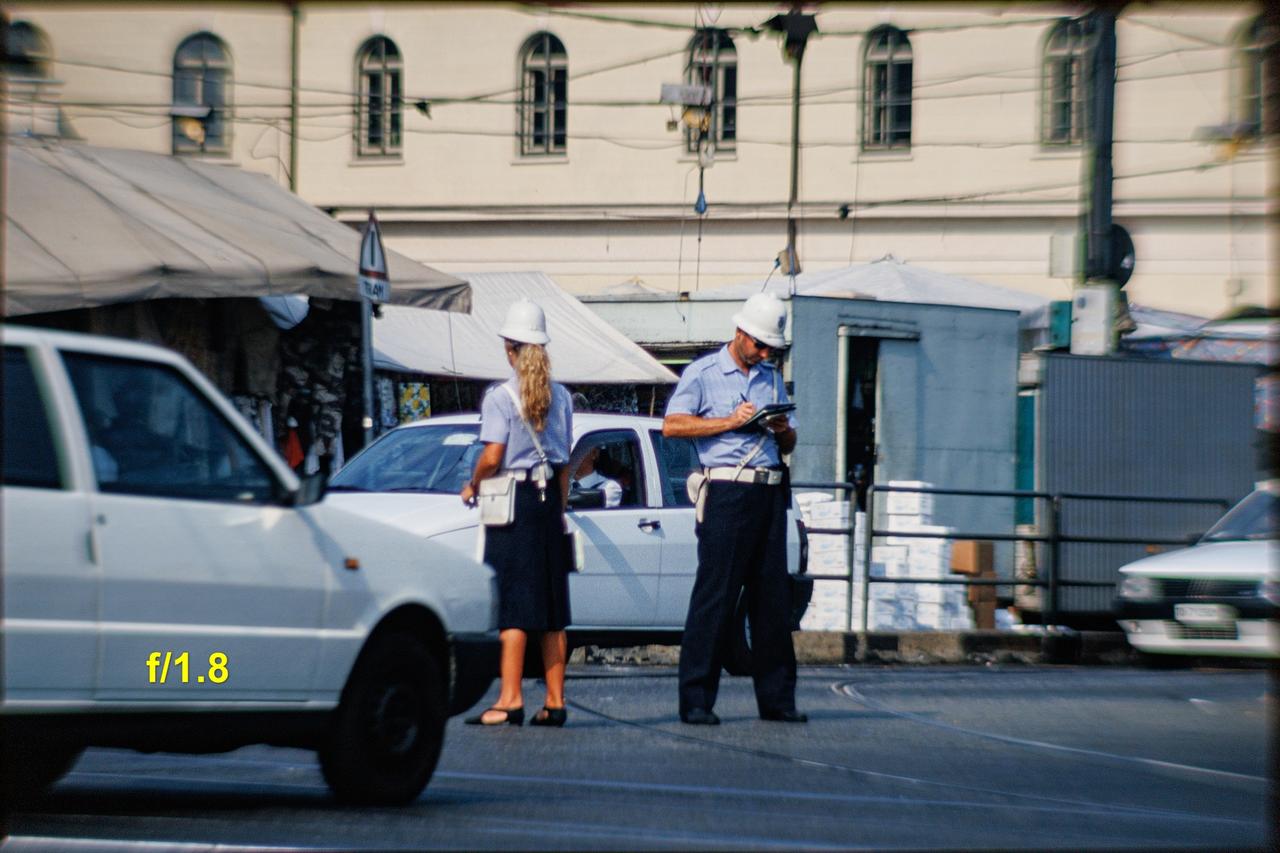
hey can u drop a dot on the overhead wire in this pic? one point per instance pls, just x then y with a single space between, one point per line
239 114
494 97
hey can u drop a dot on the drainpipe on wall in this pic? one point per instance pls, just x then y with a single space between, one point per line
295 28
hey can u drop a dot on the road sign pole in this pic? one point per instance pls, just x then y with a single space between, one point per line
366 366
374 284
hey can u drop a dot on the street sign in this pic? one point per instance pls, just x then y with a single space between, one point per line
689 95
374 282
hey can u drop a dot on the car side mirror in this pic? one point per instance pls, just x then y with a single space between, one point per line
310 491
586 498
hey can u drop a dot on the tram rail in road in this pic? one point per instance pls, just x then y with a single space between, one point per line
1016 756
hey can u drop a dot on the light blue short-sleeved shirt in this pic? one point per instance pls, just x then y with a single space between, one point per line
712 387
500 423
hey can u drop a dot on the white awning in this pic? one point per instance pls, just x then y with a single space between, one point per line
88 226
892 280
583 348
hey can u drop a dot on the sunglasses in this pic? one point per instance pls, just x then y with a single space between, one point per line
761 345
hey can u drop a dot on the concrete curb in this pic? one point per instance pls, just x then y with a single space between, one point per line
818 648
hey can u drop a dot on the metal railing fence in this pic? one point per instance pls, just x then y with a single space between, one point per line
1052 536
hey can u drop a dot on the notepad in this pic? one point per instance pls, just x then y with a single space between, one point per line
764 413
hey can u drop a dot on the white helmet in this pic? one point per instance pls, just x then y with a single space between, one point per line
763 317
525 323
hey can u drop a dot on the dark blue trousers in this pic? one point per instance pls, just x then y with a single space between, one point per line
741 543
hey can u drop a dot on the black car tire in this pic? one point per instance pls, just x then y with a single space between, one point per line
28 770
737 656
388 729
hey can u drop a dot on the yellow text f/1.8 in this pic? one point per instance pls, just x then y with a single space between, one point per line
167 667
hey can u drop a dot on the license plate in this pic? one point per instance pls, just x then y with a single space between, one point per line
1204 614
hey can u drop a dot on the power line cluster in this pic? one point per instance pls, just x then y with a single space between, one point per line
327 111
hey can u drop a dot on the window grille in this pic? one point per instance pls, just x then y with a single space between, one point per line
544 96
1063 81
1259 47
379 111
713 62
26 52
887 90
201 96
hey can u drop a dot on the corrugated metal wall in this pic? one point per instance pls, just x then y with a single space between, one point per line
946 406
1140 427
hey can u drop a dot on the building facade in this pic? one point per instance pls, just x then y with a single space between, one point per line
501 137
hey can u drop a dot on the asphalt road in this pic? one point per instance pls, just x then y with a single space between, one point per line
910 757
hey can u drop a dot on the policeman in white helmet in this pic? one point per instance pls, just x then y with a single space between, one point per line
742 514
526 424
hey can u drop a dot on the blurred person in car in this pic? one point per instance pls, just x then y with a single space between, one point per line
134 446
587 478
742 531
526 424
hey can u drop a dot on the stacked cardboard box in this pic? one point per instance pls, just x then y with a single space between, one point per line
888 606
915 607
977 559
832 554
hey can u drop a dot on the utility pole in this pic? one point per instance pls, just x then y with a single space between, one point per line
796 28
1107 253
1100 111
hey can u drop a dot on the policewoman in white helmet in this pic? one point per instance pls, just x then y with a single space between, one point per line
742 530
526 424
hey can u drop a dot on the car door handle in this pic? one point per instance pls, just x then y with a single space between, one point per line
649 525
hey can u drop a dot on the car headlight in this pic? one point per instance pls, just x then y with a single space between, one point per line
1140 588
1269 590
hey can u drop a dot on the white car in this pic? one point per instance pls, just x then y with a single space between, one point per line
169 584
1218 597
640 556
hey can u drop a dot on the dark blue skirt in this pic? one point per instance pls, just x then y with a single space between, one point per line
532 558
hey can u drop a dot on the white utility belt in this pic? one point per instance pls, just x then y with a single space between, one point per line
758 476
538 473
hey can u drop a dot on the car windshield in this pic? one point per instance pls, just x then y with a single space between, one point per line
1255 517
414 459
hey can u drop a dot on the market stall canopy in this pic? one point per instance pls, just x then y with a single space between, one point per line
892 280
583 349
88 226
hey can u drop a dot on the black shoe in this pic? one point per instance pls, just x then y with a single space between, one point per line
549 717
792 716
514 717
699 717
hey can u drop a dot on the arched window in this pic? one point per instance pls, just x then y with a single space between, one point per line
26 51
713 62
1063 83
1259 45
887 89
544 96
201 96
381 98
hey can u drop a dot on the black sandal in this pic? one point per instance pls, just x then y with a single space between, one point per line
514 717
549 717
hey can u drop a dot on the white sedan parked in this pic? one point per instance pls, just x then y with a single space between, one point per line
1218 597
169 584
640 555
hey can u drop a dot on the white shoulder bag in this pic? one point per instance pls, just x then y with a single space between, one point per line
496 496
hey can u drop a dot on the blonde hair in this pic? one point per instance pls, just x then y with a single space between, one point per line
533 370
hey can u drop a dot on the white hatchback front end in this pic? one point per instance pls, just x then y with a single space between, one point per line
1218 597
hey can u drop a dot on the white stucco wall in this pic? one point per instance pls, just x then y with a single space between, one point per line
976 195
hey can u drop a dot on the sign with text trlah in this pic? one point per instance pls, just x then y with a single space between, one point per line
375 284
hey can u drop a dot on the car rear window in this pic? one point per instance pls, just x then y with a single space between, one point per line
677 458
30 458
414 459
